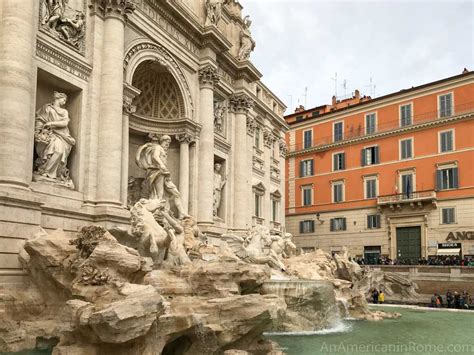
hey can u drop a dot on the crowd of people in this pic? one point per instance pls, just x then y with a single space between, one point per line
452 300
431 260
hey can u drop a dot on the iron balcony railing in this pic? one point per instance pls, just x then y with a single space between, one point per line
358 131
414 196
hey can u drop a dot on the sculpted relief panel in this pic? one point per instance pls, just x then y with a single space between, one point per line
65 20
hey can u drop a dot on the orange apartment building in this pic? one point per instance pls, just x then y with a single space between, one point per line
389 176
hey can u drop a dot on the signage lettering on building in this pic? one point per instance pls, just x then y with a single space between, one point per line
467 235
449 245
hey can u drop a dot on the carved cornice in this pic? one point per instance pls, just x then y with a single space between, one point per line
129 93
208 76
120 9
241 103
185 138
283 148
146 125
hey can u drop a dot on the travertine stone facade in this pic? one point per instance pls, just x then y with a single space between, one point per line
130 69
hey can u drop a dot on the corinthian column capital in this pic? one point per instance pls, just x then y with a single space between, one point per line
185 138
120 9
208 76
241 103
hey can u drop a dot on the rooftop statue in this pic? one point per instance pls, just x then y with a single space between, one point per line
247 44
214 11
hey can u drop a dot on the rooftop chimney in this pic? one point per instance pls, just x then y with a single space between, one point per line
357 94
300 108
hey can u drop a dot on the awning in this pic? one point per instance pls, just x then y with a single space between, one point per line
448 251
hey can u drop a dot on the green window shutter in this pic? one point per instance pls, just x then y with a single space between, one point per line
301 226
343 161
455 178
376 155
344 226
362 157
331 227
439 180
301 168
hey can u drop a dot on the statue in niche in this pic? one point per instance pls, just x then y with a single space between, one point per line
63 21
247 44
214 11
219 183
219 111
53 142
152 157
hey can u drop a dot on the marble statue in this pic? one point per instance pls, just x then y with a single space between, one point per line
219 183
53 142
152 157
214 11
66 23
219 111
283 246
254 247
247 44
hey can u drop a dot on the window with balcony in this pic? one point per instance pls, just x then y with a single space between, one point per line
448 215
405 115
307 139
338 224
337 191
406 148
407 185
338 131
447 178
370 123
307 192
370 187
307 226
339 161
373 221
446 141
306 167
370 156
445 105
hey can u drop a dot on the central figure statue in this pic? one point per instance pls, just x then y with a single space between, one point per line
152 157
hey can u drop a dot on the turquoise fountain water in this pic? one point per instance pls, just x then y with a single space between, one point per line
416 332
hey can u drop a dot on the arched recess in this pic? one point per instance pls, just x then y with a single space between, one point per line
141 51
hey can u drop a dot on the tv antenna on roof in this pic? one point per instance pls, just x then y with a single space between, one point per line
305 96
335 84
372 87
344 85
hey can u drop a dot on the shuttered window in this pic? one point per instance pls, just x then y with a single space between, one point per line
338 192
445 105
306 168
370 156
339 161
338 224
406 149
405 115
307 139
448 215
447 179
338 131
446 141
371 188
307 226
307 195
370 123
373 221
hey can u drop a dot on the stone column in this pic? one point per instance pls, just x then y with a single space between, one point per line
129 93
240 105
184 139
109 155
17 83
208 78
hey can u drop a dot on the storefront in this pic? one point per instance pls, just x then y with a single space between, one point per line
449 249
371 254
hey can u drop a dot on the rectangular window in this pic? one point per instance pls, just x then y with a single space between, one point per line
275 209
299 118
339 161
405 115
258 205
370 123
370 156
448 215
446 141
307 139
371 188
315 114
307 195
445 105
256 141
406 148
338 192
307 226
373 221
338 224
338 131
407 186
447 179
306 167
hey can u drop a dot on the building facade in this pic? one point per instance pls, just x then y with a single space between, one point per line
85 83
388 176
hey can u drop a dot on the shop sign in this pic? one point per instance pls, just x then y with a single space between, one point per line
468 235
449 245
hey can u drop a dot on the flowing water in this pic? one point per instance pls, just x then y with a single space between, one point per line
416 332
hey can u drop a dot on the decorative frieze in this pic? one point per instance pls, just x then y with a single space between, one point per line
208 76
62 60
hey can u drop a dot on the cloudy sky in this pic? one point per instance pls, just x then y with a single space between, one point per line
399 44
